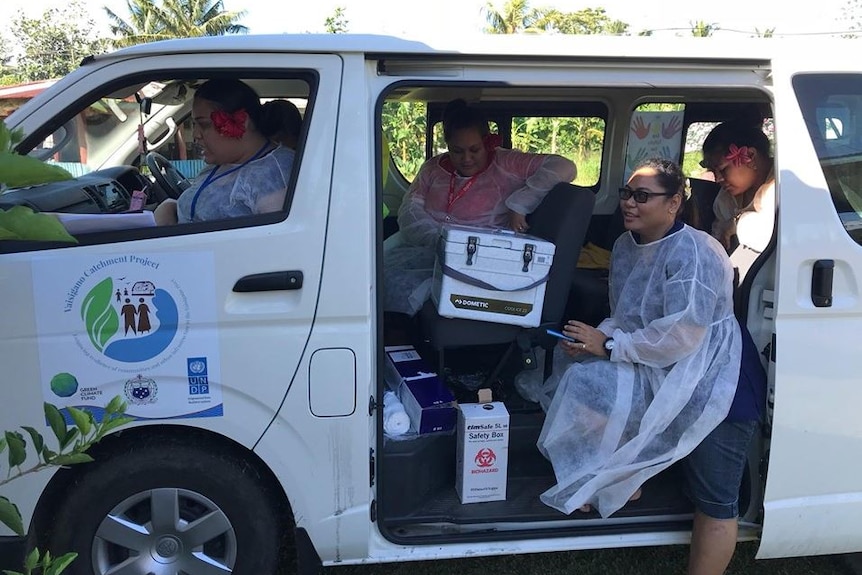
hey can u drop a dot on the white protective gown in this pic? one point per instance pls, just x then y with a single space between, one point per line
612 425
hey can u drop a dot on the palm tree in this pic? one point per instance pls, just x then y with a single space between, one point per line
152 20
514 17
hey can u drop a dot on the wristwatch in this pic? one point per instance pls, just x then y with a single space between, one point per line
609 346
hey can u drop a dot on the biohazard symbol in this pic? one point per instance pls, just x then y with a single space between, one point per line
485 457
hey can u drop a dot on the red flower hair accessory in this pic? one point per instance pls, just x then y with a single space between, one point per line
230 124
739 155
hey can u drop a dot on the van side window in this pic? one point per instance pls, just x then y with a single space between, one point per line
579 138
130 149
832 107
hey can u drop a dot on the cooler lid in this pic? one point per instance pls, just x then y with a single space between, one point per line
494 238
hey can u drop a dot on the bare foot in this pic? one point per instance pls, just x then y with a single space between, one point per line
585 508
636 495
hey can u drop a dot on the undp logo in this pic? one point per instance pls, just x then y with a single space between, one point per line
485 457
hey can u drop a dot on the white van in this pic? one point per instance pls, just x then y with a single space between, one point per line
257 387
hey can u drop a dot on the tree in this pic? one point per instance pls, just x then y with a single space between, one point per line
6 69
586 21
513 17
54 44
152 20
765 33
701 29
337 23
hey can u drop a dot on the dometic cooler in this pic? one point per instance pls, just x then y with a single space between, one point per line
491 275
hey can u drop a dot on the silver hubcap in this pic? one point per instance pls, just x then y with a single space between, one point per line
165 532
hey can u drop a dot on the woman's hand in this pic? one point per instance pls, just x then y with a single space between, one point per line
518 222
590 340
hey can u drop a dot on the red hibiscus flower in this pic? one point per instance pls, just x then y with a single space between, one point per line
230 125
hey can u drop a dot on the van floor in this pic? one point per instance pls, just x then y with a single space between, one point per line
417 475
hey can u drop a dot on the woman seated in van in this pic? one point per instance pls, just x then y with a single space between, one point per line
737 153
659 375
249 173
474 183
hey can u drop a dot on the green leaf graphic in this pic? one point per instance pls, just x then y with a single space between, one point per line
100 318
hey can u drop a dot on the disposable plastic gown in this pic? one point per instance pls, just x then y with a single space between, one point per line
612 425
255 188
514 181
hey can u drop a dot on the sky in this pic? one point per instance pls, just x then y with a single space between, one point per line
436 19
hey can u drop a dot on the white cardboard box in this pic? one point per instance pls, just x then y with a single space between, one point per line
426 399
491 275
482 457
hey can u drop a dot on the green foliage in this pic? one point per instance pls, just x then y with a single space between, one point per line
404 128
701 29
336 23
153 20
36 562
52 45
72 444
512 17
587 21
516 17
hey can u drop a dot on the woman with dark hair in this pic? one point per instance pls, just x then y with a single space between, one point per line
474 183
738 155
285 115
249 173
659 375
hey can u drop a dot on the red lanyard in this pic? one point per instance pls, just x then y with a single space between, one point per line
454 197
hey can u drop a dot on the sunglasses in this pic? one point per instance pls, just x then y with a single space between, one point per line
641 196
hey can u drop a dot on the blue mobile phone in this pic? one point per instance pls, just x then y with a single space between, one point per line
561 336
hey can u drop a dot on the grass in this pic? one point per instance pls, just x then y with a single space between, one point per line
640 561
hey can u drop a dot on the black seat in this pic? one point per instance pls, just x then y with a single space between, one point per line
562 219
703 194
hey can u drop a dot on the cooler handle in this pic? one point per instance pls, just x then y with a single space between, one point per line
464 278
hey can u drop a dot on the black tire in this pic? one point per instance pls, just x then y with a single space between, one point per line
169 508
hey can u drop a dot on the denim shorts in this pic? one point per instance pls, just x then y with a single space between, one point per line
714 469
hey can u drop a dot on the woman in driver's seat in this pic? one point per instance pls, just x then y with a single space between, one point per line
249 173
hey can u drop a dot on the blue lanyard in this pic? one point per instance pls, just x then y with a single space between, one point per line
211 177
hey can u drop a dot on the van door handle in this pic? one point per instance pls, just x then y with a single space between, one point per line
821 283
271 281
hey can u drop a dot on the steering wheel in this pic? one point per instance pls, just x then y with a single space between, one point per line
167 176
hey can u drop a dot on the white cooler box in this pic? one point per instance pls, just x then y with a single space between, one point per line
491 275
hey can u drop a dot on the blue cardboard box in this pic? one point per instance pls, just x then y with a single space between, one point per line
427 401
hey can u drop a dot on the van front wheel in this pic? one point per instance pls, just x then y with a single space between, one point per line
166 510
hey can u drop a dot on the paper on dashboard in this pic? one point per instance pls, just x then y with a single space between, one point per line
89 223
